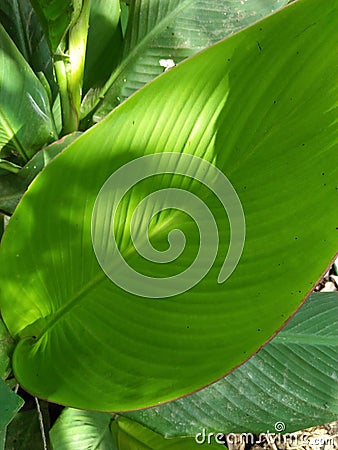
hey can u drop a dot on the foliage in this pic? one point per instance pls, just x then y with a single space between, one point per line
254 112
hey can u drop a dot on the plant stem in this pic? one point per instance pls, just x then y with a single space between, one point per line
69 71
69 114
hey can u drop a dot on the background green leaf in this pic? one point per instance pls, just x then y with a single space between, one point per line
24 432
85 342
10 404
173 30
12 187
56 17
293 380
22 25
133 436
83 430
104 42
6 348
24 105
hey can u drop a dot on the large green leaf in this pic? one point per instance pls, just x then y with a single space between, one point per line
291 383
85 342
21 23
56 17
82 430
159 31
25 117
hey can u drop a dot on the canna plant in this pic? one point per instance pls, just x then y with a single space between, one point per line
161 224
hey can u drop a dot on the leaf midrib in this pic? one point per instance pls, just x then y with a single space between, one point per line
96 280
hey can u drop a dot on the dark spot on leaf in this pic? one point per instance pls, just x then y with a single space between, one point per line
229 59
259 46
274 102
323 173
296 237
303 145
258 329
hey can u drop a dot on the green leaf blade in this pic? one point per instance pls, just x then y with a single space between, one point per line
159 31
24 105
133 436
10 404
75 325
83 430
104 42
291 380
56 17
21 23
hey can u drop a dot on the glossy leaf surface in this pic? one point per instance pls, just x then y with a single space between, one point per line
160 31
21 23
83 430
87 343
24 104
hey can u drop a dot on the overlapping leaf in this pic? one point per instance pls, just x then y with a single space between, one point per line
291 383
161 30
10 404
104 42
24 432
133 436
87 343
56 17
25 117
13 186
21 23
83 430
